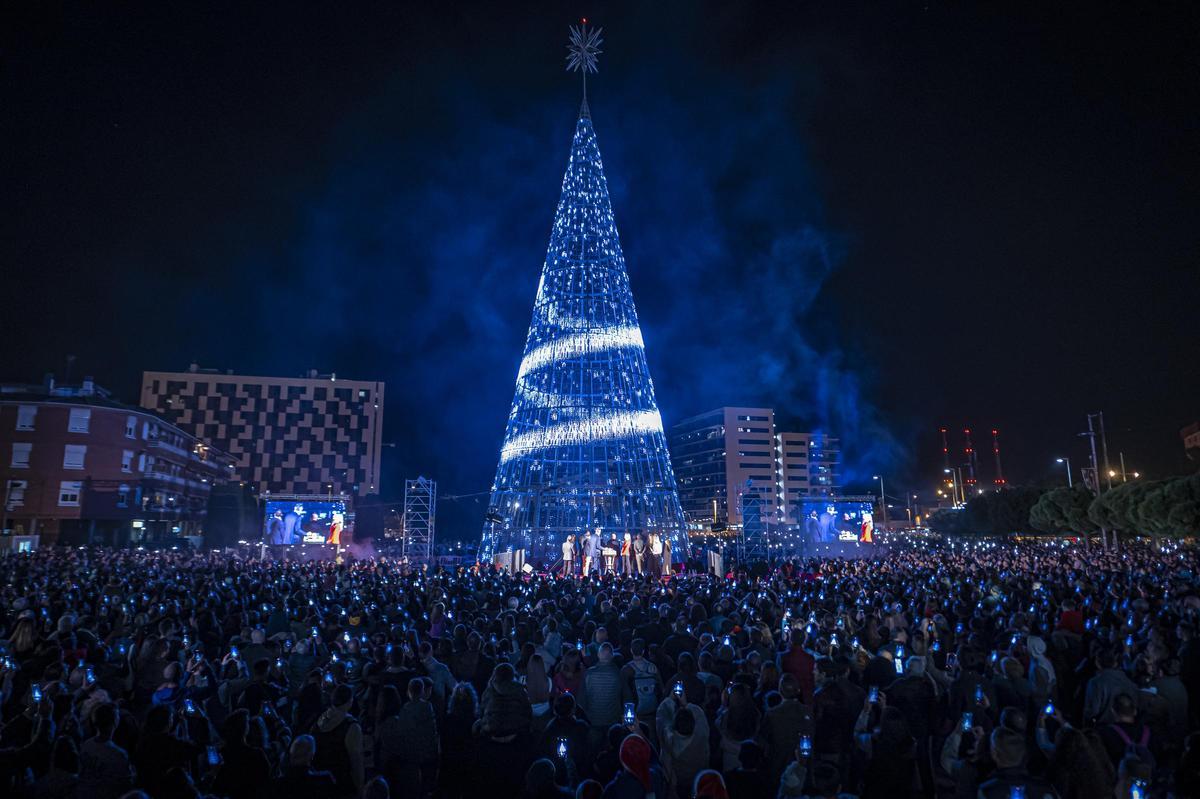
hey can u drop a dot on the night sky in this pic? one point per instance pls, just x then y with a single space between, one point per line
877 219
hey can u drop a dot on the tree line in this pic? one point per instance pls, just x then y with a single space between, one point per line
1156 508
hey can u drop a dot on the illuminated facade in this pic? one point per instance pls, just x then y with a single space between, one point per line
306 435
584 445
725 455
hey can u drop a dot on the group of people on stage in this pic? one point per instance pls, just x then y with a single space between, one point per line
630 554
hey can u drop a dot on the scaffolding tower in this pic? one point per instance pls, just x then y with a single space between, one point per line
755 544
420 509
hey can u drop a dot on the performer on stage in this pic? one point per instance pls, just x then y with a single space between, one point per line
568 555
639 554
585 547
335 529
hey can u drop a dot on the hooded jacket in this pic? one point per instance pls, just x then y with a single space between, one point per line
505 709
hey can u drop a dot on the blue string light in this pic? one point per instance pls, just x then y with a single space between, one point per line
584 446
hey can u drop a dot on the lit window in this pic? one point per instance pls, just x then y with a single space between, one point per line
26 414
73 455
68 493
81 420
123 496
131 427
127 461
142 462
20 456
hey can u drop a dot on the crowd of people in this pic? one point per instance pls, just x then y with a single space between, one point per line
996 670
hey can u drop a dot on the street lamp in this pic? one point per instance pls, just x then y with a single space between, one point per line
956 483
1067 461
882 499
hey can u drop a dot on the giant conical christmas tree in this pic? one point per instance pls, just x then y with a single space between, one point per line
584 447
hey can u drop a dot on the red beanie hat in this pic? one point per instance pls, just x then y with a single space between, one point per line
635 757
710 785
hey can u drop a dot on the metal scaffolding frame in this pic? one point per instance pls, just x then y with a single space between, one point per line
420 511
754 542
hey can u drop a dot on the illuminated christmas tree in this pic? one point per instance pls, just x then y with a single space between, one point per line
584 447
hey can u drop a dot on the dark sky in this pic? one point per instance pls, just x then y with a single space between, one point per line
877 219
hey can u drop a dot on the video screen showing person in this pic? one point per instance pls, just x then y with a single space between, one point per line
296 522
826 520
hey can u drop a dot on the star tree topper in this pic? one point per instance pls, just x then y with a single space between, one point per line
582 49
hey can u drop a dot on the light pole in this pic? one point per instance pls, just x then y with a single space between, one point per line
1067 461
954 481
882 499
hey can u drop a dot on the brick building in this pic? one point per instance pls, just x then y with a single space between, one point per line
78 466
310 435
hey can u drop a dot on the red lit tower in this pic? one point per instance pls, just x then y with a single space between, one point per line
969 451
999 481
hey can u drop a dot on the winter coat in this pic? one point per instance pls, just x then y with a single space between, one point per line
602 695
505 709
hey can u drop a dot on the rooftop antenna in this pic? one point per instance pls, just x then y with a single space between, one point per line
582 49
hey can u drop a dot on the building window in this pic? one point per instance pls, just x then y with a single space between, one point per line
127 461
16 493
81 420
26 414
752 418
20 456
131 427
142 462
73 455
123 496
68 493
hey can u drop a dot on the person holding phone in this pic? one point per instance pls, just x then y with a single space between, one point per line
883 735
565 727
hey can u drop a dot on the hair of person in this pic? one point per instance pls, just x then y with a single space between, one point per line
104 717
343 695
463 700
1014 719
302 750
564 706
377 788
1008 747
589 789
504 673
826 779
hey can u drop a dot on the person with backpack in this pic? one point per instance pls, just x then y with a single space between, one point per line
1126 736
641 683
